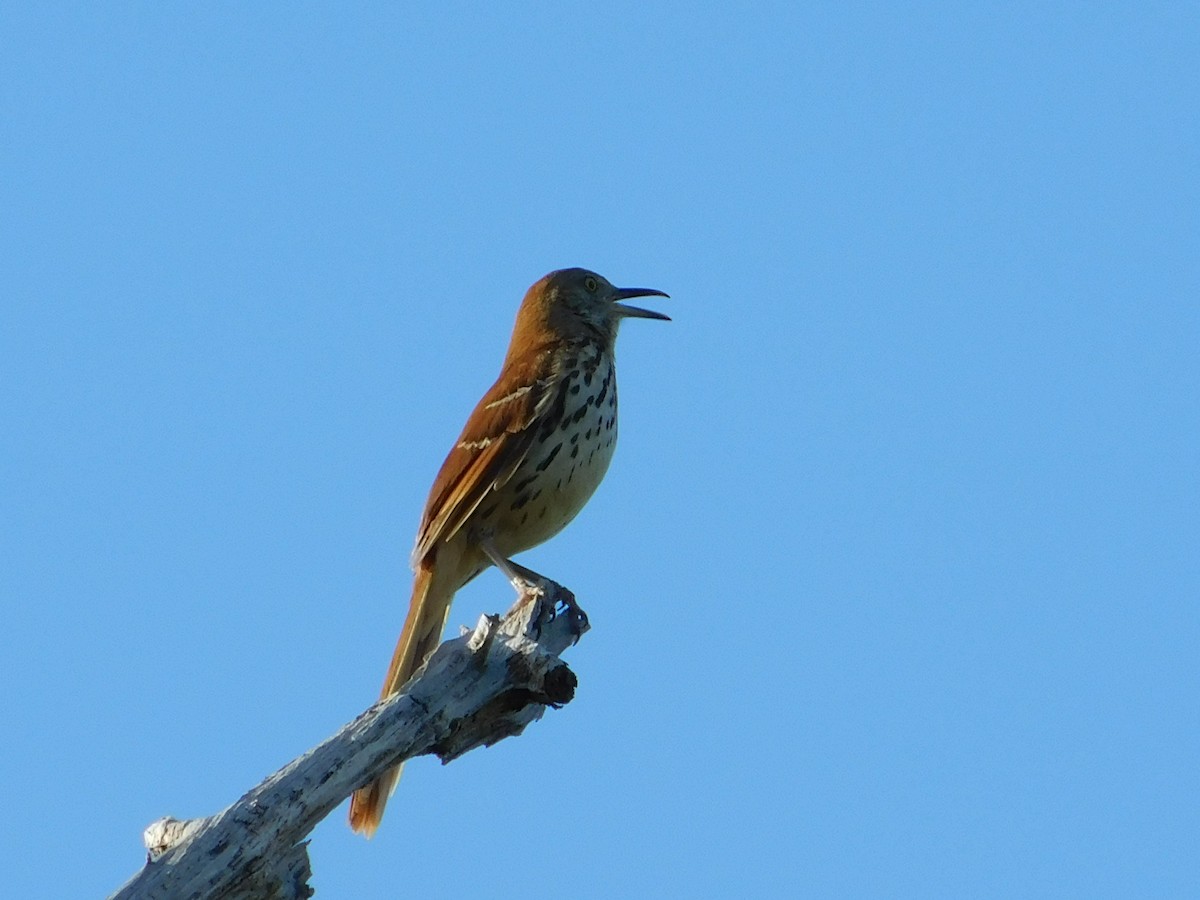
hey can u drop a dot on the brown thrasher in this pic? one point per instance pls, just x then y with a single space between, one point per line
527 461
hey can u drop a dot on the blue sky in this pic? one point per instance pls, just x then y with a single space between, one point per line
893 580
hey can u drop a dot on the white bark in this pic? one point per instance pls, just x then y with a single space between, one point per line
479 688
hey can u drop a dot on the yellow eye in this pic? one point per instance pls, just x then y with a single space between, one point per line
591 284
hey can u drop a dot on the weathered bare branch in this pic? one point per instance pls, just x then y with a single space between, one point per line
486 685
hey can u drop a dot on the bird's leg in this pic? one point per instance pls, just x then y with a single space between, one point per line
529 584
524 581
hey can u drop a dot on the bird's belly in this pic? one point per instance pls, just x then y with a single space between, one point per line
558 477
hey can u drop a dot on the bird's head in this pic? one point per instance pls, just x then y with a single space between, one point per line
578 303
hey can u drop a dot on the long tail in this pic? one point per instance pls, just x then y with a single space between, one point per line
423 628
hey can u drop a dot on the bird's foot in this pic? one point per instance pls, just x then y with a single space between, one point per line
533 587
565 605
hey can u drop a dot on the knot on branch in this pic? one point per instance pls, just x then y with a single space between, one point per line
163 834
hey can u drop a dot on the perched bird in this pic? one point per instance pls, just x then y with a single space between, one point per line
529 458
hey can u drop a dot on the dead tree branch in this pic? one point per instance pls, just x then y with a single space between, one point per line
477 689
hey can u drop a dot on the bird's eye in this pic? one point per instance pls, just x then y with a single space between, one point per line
591 284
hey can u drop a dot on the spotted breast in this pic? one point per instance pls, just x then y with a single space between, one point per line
568 459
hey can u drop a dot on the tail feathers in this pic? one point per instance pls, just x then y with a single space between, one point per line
423 627
367 804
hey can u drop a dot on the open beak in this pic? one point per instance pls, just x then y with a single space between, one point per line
636 312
